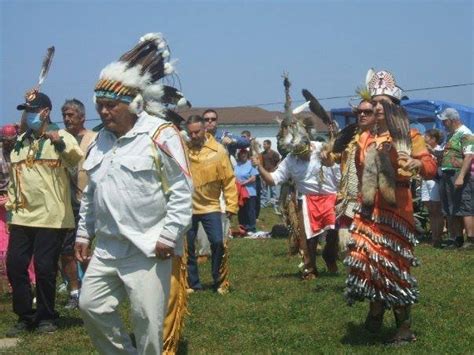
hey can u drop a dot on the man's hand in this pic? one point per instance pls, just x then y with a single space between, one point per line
227 140
458 182
163 251
411 164
53 136
326 158
3 200
82 252
255 161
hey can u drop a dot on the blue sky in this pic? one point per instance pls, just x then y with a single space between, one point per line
232 53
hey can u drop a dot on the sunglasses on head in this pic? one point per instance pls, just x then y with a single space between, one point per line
366 112
209 119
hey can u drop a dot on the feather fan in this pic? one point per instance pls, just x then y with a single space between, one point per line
316 108
344 137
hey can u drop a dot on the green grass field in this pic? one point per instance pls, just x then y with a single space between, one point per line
269 310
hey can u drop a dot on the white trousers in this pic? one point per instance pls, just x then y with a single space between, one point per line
146 282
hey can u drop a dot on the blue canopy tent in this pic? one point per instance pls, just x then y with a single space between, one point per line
422 114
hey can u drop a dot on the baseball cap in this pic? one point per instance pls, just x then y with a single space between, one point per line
8 131
449 113
39 100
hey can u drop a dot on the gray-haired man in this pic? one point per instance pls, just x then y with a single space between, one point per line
456 180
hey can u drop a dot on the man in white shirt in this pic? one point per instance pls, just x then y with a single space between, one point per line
137 202
316 185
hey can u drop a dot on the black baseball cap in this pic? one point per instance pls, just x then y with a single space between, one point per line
39 100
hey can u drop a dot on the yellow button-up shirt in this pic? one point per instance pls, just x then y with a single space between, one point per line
212 173
39 189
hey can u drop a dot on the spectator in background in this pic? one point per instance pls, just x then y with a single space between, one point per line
4 179
270 160
227 139
246 174
41 213
212 175
456 187
8 135
74 117
255 151
430 194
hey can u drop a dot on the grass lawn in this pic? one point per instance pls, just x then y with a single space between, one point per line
269 309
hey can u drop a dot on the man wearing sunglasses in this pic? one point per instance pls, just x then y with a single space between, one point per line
227 139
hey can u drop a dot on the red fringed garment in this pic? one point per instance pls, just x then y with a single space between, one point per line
381 251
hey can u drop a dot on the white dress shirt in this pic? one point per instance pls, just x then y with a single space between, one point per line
139 191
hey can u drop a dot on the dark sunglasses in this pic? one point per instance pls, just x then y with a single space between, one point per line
209 119
366 112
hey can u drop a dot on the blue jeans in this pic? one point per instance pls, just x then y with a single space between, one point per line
268 195
212 224
248 215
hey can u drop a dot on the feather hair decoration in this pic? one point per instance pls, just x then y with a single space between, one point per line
368 77
344 137
364 93
398 125
316 108
172 96
48 59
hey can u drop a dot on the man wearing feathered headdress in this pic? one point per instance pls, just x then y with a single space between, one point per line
137 202
316 185
383 233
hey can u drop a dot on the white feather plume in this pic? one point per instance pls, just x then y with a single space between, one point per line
136 106
301 108
169 67
369 75
154 108
154 91
156 37
182 102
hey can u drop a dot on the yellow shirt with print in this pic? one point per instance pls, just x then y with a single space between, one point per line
39 193
212 173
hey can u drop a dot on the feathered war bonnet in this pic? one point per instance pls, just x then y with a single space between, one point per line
137 78
383 83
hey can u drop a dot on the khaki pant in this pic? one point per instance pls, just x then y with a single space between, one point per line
146 282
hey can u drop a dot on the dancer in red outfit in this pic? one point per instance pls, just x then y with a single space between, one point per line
381 252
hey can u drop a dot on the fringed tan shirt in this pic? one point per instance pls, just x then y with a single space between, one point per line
39 193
